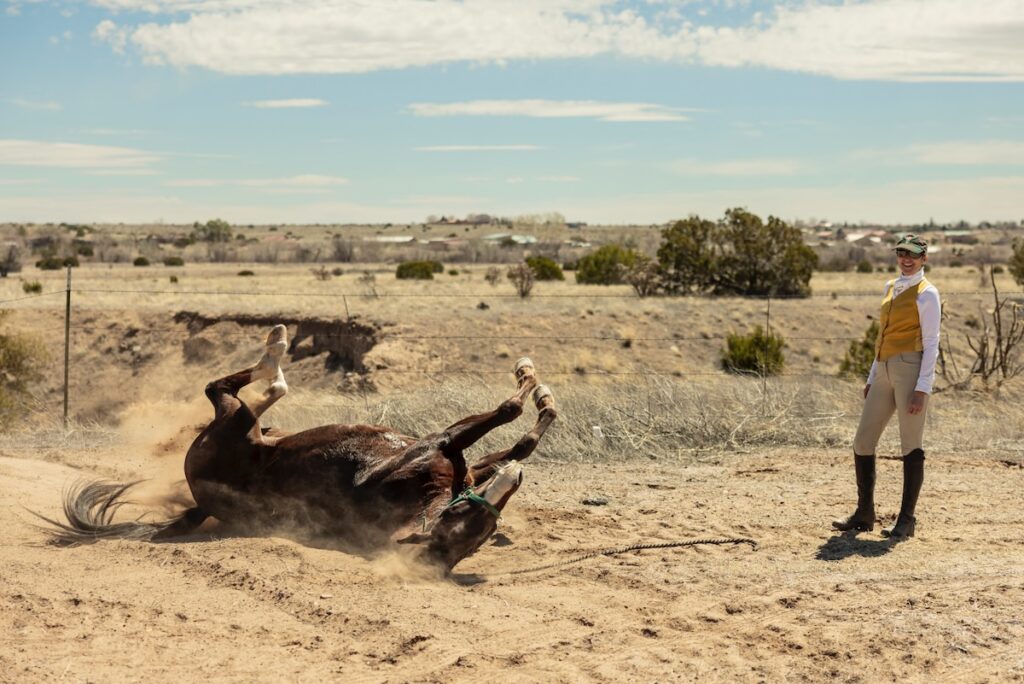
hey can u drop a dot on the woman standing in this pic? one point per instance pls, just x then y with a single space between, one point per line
900 381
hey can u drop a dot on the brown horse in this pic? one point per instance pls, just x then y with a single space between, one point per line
362 484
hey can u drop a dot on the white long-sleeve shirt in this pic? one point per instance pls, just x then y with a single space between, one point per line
929 311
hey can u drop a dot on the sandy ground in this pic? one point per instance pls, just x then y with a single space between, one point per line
807 605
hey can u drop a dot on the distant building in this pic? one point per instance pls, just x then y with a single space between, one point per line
517 239
396 239
961 237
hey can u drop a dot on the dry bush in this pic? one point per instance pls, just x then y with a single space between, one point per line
22 358
522 278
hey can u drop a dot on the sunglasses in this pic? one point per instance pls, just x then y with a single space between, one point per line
903 254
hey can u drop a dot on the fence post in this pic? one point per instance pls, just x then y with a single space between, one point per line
764 363
67 344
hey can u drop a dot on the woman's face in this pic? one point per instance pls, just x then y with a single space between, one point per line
909 262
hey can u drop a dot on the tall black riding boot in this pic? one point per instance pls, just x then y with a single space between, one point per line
863 518
913 477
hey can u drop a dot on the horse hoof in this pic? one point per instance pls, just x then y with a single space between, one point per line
277 341
524 369
543 398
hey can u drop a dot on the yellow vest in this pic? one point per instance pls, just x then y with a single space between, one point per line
899 324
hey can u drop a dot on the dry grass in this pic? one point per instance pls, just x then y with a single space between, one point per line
660 395
662 418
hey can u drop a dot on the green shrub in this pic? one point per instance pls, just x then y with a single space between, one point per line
545 268
246 273
860 355
85 250
50 263
214 230
737 255
754 352
453 272
865 267
416 270
606 266
140 261
998 269
174 261
32 287
174 279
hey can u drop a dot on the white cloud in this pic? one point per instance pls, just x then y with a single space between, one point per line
72 155
302 184
738 167
961 153
295 103
122 172
988 198
48 106
479 148
992 198
902 40
130 132
460 201
114 207
553 109
108 32
949 153
558 179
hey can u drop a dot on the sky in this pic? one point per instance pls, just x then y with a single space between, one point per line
642 111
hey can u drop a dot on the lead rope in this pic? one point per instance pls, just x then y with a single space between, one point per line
633 547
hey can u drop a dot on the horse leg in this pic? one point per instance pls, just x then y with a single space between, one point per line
545 402
269 368
232 445
468 431
223 393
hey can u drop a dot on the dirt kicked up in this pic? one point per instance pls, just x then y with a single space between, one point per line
808 604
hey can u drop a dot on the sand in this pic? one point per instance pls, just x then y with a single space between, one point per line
808 604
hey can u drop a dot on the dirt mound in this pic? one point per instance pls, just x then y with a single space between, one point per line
346 342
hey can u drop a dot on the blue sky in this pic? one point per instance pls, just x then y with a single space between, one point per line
281 111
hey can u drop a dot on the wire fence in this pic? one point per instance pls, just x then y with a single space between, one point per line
762 317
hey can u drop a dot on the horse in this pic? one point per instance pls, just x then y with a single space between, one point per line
363 485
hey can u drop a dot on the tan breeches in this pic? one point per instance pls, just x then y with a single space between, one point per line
891 392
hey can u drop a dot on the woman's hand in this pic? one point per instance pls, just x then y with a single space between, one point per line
916 403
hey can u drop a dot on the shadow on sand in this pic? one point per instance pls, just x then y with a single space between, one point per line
848 544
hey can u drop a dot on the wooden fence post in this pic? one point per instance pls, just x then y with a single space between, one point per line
67 344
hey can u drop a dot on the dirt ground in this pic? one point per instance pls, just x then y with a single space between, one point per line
807 605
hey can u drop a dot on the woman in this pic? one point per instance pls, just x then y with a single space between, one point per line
900 381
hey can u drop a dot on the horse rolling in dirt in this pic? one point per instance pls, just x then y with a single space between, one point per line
364 485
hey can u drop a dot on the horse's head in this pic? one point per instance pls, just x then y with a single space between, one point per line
469 519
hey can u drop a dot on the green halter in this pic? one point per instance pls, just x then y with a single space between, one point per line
469 495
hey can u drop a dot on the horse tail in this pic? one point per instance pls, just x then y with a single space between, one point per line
90 507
